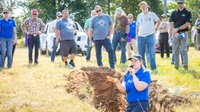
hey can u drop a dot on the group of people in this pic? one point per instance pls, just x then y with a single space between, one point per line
124 31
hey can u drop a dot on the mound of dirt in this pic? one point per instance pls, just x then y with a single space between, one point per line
162 101
90 84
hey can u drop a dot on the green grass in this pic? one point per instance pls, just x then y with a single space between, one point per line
40 88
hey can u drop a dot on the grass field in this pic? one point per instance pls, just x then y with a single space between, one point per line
40 88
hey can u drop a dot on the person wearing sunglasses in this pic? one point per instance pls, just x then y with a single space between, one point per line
121 29
8 37
101 30
35 26
135 85
131 37
53 26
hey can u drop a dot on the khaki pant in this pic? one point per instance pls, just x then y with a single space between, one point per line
132 47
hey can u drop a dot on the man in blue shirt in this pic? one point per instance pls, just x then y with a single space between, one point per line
8 37
65 29
101 30
131 37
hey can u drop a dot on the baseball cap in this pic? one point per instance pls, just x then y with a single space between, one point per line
163 15
34 11
5 10
58 14
143 2
180 1
119 10
137 57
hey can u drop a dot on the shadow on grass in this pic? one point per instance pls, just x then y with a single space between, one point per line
192 72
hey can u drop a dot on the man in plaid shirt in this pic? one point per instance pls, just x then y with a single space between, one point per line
35 27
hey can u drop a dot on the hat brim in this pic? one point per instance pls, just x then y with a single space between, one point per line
132 58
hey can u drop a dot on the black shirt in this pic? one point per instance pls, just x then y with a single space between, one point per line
180 18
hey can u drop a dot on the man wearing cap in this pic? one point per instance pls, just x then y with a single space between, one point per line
8 37
86 29
180 21
121 29
164 36
135 85
101 30
146 28
65 29
131 37
197 35
35 27
53 26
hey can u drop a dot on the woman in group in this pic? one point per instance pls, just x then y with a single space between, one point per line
8 37
164 36
135 85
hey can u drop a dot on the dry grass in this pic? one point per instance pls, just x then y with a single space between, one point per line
40 88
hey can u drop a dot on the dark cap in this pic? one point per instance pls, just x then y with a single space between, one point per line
137 57
180 1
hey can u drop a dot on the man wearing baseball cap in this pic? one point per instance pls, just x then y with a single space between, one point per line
180 21
53 26
35 28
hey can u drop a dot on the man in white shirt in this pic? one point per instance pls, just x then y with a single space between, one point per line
146 28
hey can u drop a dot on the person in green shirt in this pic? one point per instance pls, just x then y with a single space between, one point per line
86 29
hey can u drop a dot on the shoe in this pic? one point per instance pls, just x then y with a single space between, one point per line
185 67
72 63
30 62
176 67
172 63
66 63
36 62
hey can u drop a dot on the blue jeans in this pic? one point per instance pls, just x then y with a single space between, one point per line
148 43
6 46
54 48
88 52
117 40
33 41
107 45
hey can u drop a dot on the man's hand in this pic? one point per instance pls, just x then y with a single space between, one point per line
28 33
90 42
57 41
39 32
122 39
14 41
176 35
175 30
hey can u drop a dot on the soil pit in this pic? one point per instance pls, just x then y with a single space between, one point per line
90 84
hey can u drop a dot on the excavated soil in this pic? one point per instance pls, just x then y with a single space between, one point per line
90 84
